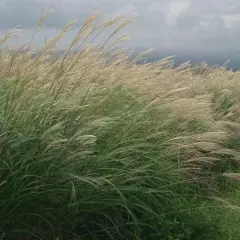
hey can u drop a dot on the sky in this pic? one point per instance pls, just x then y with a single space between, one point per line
178 25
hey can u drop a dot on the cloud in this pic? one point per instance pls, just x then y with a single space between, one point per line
27 12
187 21
13 13
162 24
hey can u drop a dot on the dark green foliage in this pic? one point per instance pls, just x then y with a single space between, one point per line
101 170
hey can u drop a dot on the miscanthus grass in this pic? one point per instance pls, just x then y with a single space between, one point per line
95 146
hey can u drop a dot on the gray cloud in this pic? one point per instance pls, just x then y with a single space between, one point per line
163 24
27 12
206 7
187 21
13 13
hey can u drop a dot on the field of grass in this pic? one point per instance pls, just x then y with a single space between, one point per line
94 146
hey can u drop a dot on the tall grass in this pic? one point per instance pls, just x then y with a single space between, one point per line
94 146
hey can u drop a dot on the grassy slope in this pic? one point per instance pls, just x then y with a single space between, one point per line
96 147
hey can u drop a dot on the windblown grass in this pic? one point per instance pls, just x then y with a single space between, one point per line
94 146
